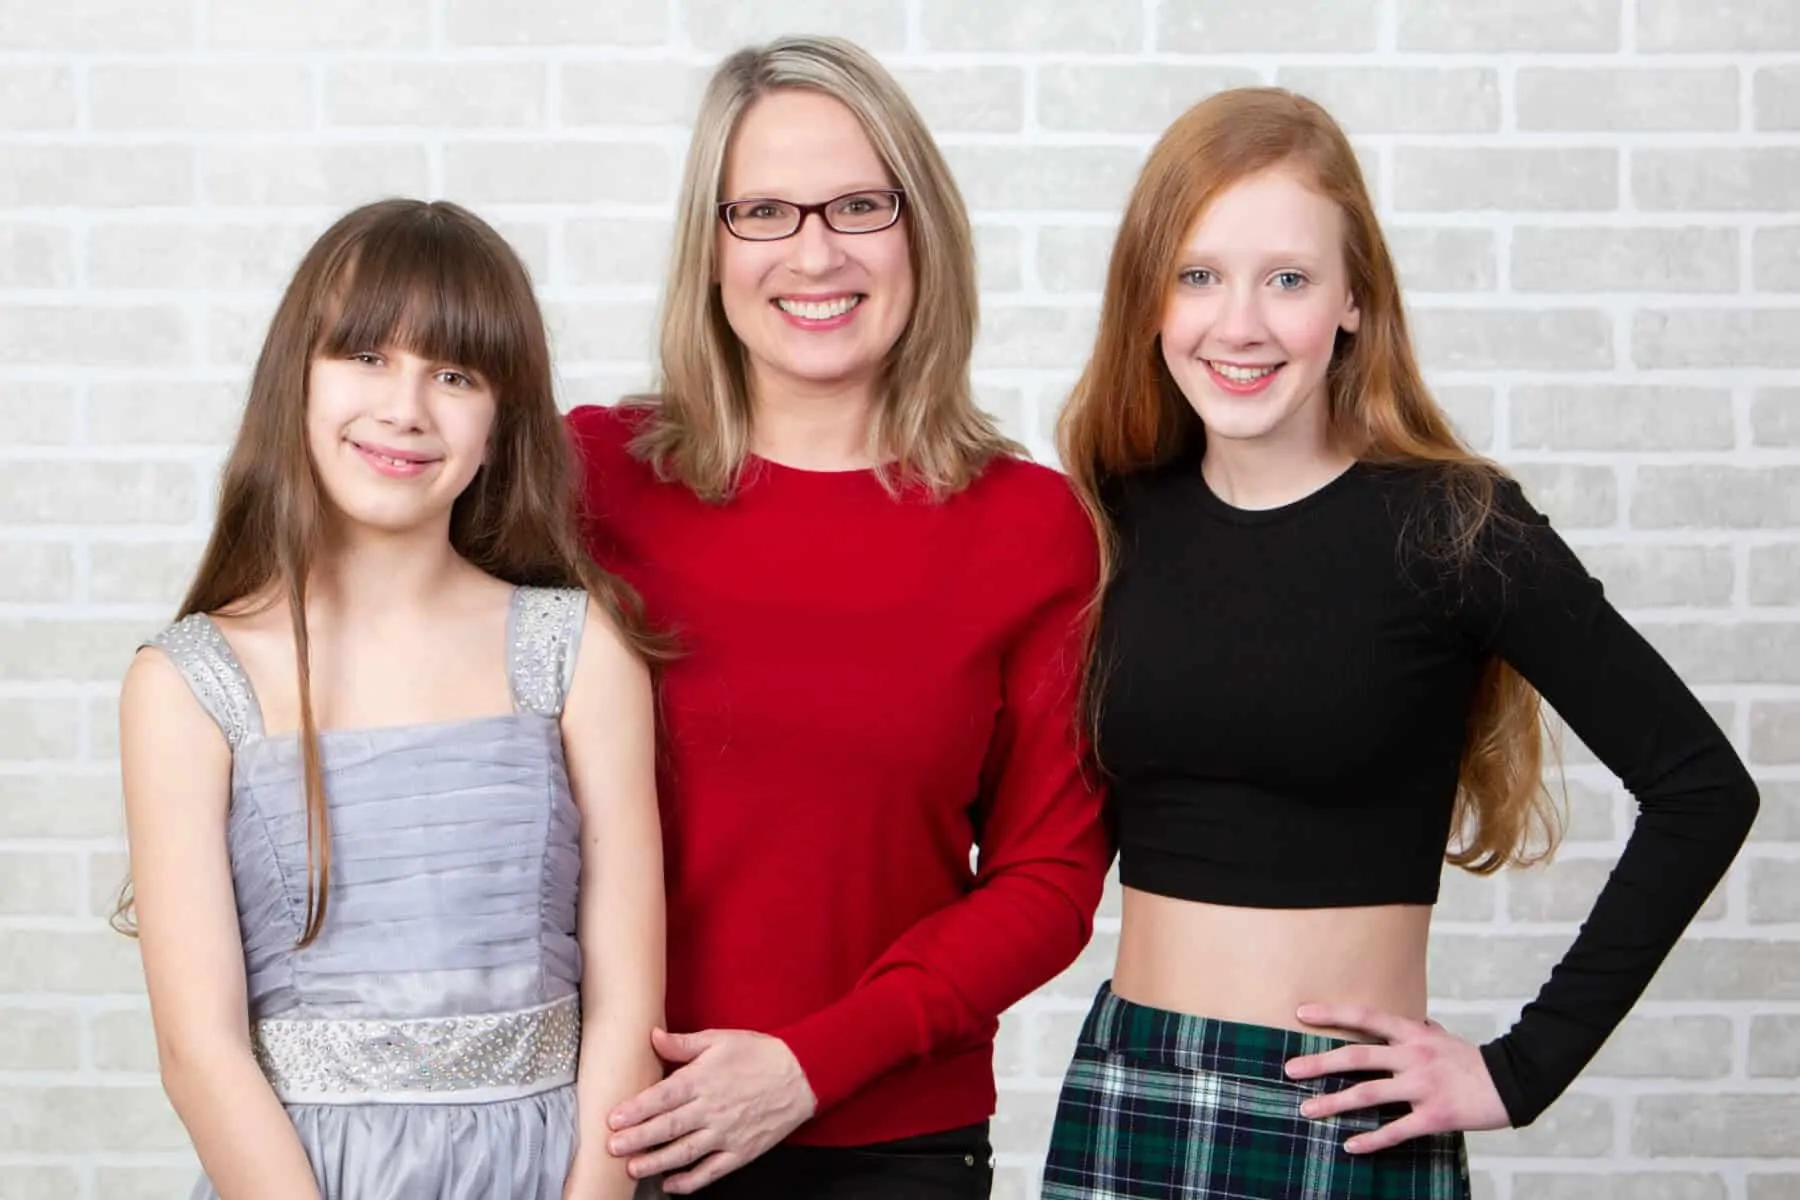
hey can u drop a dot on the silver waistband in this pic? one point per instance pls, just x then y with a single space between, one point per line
468 1059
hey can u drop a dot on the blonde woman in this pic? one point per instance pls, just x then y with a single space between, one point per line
1319 659
879 604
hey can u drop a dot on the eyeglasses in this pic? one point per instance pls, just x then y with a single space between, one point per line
770 220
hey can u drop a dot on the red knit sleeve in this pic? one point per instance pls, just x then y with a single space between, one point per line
1043 850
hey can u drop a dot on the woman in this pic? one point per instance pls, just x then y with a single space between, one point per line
389 779
878 604
1318 664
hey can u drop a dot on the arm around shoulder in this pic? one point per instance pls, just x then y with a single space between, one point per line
608 729
176 770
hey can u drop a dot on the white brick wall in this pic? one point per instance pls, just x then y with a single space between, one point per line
1596 205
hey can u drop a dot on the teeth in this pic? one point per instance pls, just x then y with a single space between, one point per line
1239 374
822 310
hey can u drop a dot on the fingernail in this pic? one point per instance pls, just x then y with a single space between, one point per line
1308 1109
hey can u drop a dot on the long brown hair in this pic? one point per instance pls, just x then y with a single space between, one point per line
1126 413
437 280
926 423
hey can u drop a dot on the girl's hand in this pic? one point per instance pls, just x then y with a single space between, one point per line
1439 1074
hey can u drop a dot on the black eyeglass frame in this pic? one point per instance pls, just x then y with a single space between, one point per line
823 208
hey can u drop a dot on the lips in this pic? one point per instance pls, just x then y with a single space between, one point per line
1242 379
393 461
823 309
1241 373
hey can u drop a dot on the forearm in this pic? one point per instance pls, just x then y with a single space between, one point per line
616 1064
944 984
246 1143
1678 852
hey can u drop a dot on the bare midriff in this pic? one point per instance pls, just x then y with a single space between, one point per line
1258 965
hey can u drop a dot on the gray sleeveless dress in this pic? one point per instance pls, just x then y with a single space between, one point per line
425 1043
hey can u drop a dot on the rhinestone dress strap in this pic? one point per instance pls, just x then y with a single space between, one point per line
195 645
473 1058
543 637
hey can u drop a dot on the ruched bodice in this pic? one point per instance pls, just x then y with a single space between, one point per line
454 862
429 1032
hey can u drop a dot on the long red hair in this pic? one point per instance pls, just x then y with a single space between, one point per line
438 280
1126 413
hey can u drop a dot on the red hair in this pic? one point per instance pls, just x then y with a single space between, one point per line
1126 413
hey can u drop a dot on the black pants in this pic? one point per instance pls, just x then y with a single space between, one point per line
953 1165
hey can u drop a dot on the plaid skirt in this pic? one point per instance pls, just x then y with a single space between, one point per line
1160 1105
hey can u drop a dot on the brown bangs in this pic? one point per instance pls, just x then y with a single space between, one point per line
427 283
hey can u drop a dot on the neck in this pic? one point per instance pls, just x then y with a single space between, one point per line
1261 473
814 429
370 573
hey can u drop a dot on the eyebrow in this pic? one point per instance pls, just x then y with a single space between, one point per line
775 193
1191 253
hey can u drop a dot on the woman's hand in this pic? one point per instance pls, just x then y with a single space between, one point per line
735 1096
1439 1074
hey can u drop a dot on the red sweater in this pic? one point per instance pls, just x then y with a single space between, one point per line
870 688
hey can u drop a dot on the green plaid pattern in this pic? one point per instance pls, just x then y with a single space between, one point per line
1163 1106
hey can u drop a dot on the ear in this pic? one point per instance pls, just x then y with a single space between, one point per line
1352 317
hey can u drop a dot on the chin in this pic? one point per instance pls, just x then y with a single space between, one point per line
379 515
1237 431
1239 426
828 374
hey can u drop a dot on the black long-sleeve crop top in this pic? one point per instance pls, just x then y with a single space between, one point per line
1284 701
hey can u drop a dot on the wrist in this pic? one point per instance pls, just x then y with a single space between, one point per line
803 1099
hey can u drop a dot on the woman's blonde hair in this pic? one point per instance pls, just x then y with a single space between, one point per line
1126 413
927 429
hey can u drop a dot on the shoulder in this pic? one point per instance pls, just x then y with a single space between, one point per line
1022 486
1036 526
1476 504
551 607
190 657
160 691
606 675
193 634
1431 504
607 430
609 472
157 670
1151 486
559 621
1469 531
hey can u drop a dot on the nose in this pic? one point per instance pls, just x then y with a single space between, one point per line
399 400
1241 322
815 246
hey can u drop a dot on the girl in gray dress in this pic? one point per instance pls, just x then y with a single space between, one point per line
388 778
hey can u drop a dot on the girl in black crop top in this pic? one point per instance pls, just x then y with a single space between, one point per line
1317 670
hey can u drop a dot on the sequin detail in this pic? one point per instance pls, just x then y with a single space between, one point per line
195 645
475 1057
544 628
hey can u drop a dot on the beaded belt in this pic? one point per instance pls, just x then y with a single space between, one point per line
474 1058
